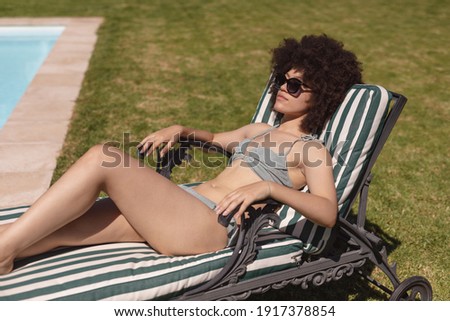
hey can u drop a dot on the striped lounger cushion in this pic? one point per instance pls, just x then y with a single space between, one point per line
125 271
350 136
133 271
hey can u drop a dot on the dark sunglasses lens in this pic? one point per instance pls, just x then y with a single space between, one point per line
293 85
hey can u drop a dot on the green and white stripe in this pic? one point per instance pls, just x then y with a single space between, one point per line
124 271
350 136
133 271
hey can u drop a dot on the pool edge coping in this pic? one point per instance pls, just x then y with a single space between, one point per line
33 136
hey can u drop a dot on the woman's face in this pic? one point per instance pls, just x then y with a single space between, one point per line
293 105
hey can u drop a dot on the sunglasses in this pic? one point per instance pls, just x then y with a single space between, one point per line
294 86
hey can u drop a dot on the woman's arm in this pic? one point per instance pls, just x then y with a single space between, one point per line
319 209
169 136
320 205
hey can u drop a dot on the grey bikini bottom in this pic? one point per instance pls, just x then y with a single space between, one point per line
198 196
232 228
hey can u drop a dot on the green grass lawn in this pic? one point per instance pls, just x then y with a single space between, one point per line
205 63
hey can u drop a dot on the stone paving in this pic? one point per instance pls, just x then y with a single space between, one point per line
33 136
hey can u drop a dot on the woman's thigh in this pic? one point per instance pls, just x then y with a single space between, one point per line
171 220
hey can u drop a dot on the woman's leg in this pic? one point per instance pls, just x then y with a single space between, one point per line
102 223
168 218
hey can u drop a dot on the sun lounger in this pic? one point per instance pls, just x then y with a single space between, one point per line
272 249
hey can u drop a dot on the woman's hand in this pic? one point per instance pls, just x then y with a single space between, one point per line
240 199
166 137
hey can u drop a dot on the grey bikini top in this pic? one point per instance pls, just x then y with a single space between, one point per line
267 164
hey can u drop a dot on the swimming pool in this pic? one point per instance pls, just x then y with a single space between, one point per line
22 52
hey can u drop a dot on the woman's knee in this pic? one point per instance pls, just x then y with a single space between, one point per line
103 155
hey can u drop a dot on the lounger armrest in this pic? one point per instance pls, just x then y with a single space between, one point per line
245 250
359 235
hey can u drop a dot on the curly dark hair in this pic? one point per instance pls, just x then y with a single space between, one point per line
328 69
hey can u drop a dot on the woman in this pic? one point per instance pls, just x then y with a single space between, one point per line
313 76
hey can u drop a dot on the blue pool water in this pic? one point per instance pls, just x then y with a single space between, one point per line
22 52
